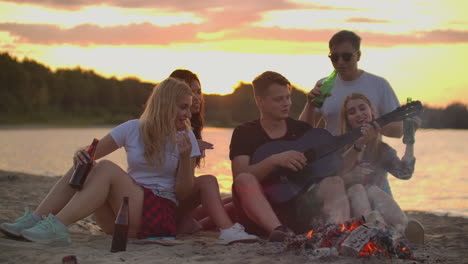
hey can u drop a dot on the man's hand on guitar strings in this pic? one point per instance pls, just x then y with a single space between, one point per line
291 159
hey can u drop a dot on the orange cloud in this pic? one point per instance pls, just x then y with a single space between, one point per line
87 34
369 38
366 20
181 5
149 34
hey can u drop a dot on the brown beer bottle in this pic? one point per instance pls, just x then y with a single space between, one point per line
81 171
119 238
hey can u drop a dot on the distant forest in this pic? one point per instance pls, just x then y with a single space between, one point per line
31 93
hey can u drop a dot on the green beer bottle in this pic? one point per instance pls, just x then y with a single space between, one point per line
327 86
408 128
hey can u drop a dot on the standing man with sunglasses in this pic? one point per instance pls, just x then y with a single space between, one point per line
344 54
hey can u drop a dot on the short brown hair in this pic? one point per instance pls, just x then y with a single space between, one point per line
343 36
262 82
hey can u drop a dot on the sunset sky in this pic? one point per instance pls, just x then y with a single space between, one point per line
419 46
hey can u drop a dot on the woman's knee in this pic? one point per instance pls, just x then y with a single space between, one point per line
332 184
356 189
207 180
105 168
374 192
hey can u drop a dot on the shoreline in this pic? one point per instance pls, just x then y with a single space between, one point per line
446 238
54 176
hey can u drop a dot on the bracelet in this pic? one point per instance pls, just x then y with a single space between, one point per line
358 149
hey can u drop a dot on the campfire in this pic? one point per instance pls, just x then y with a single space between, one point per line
364 237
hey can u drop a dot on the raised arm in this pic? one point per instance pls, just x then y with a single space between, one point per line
309 114
186 168
400 168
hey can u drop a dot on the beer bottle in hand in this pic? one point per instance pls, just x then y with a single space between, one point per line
81 171
327 86
408 128
119 238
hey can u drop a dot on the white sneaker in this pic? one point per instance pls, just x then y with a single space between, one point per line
235 233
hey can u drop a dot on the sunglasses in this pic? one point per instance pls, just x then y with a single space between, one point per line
346 56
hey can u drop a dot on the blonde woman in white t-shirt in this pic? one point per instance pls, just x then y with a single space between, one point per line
159 175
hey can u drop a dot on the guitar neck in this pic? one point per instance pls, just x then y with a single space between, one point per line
354 134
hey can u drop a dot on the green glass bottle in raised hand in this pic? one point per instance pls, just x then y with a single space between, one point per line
408 128
327 86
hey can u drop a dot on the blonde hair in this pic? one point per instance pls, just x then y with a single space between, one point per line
374 146
157 124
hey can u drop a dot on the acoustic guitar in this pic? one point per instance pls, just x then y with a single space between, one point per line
323 153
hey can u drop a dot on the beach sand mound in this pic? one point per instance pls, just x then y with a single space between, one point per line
446 239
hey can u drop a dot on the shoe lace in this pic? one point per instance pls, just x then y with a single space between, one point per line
46 224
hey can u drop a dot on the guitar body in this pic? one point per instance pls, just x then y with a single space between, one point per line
323 153
283 185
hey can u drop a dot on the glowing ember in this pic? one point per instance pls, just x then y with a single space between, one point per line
371 249
309 234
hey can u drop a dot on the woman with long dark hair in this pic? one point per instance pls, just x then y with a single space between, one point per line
206 188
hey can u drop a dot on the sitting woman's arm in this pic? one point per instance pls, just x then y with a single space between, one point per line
186 170
402 169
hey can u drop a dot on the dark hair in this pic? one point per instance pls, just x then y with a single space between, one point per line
197 121
343 36
262 82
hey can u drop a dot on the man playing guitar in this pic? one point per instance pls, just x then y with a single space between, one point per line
324 201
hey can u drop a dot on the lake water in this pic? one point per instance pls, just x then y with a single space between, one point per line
439 183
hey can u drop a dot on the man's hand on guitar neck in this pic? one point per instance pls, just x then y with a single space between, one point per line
293 160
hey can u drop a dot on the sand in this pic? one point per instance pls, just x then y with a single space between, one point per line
446 239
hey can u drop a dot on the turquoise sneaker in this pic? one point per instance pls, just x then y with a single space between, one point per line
13 230
48 231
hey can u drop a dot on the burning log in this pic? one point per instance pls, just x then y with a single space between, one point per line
357 241
357 238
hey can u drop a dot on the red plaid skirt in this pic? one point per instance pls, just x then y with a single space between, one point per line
158 217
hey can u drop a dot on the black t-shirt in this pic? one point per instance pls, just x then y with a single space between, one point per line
249 136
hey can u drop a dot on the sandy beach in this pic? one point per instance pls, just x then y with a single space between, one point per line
446 239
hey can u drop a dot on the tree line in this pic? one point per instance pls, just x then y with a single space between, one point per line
31 93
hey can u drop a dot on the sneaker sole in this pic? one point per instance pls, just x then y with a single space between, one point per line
12 235
58 242
243 241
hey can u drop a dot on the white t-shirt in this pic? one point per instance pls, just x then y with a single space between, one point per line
160 179
376 88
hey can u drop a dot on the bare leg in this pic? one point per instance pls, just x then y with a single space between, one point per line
107 182
201 213
388 208
335 202
57 197
105 217
358 200
206 192
207 222
211 200
254 203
